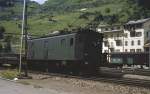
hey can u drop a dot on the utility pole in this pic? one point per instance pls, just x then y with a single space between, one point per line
26 38
21 39
24 32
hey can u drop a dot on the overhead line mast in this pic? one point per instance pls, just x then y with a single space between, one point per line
23 32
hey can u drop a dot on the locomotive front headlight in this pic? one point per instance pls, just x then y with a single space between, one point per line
86 63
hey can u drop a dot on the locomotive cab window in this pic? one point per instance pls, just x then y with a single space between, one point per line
80 40
71 42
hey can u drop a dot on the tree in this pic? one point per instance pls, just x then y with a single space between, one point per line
107 10
7 40
2 30
6 3
1 47
96 21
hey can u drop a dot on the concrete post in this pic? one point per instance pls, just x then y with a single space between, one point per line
22 33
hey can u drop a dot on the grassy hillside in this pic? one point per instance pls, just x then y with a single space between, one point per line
61 14
44 25
47 21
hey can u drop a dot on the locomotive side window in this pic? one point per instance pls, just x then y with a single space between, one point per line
116 60
130 60
45 44
63 42
32 50
80 39
46 49
71 42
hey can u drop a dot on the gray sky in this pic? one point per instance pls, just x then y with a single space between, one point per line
39 1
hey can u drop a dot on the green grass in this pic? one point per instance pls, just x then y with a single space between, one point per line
11 26
113 9
9 74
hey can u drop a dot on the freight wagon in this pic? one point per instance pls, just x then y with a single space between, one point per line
120 59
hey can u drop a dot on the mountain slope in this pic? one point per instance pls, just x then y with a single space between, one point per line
14 9
62 14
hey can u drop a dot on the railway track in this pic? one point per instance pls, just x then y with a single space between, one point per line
13 59
102 78
138 71
144 72
122 81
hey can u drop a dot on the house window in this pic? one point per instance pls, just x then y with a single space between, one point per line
118 43
118 35
126 43
105 51
105 43
139 42
132 34
118 27
106 29
126 35
138 50
112 36
132 50
139 26
138 34
112 44
71 42
126 50
147 34
112 28
106 36
118 50
132 43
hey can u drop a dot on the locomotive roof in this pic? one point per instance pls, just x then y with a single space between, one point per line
43 37
64 34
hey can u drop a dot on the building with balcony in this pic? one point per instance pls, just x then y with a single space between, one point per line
113 38
130 37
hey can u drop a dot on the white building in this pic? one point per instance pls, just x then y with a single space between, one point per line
130 37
